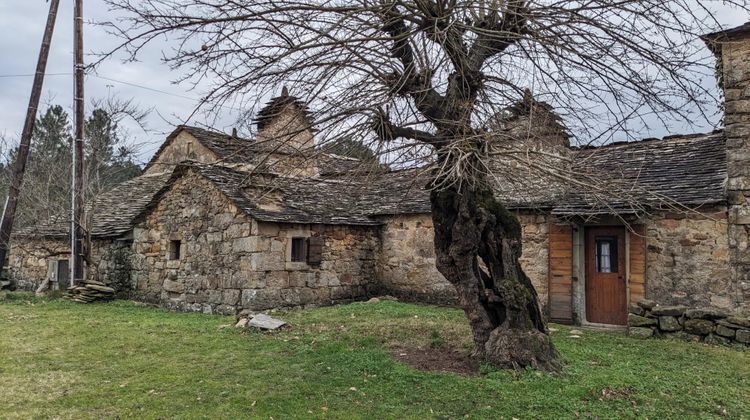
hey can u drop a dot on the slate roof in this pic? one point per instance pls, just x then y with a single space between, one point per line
240 150
272 198
675 172
113 213
715 39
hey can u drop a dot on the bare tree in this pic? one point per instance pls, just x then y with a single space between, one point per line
431 73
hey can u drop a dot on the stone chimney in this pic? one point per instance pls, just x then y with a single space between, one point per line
732 49
532 122
285 124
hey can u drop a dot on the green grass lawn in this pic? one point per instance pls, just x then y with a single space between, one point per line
121 359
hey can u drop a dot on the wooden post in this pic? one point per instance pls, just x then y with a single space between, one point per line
77 206
19 166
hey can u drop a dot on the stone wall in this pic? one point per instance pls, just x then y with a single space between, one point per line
110 264
406 264
30 256
181 148
687 260
735 58
229 262
647 319
28 259
287 131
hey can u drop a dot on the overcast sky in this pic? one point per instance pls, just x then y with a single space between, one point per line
148 82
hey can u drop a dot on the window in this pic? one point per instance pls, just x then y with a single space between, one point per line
174 249
299 250
606 254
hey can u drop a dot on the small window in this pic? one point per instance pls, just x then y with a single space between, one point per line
606 255
299 250
174 249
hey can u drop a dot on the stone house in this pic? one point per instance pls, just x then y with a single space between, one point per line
219 223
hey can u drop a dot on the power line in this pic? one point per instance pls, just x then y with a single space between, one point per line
109 79
131 84
5 76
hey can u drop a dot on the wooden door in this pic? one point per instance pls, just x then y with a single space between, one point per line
63 274
606 289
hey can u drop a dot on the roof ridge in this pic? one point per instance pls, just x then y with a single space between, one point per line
652 140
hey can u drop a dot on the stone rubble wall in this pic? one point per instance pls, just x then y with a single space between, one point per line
230 262
687 260
736 80
30 256
406 264
289 131
647 319
28 260
181 148
110 264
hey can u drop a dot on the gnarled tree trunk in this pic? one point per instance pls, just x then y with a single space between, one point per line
477 244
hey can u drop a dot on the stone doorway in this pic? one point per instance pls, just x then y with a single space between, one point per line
606 284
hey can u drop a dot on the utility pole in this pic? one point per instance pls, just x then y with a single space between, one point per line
77 232
19 166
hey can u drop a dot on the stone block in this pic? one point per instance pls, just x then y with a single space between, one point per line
682 336
213 237
249 297
724 331
743 336
717 340
277 279
705 313
230 297
342 293
646 304
640 321
725 323
267 261
739 320
290 297
251 244
225 309
636 310
200 297
277 245
640 332
307 296
215 296
268 229
668 310
266 299
302 279
173 286
699 326
669 323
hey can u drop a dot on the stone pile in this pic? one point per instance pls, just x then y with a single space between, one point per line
90 291
648 319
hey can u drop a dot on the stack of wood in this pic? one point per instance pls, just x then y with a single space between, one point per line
90 291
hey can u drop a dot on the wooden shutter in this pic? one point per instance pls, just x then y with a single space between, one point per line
561 273
637 250
314 250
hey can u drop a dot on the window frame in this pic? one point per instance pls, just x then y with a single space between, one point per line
174 251
614 266
298 254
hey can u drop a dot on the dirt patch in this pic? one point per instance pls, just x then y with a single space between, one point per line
436 359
